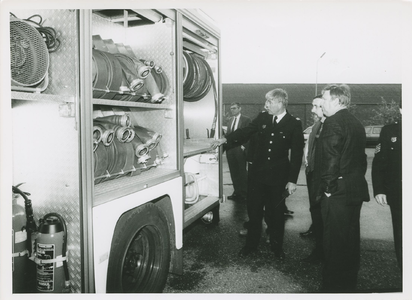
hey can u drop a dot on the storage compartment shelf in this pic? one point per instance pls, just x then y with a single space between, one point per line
131 104
197 146
197 210
41 97
112 189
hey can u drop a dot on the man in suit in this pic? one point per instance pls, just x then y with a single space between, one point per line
387 179
314 207
236 156
278 136
341 187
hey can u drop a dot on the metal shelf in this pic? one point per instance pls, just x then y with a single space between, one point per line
41 97
196 146
197 210
131 104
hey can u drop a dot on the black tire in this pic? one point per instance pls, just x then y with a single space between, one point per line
140 253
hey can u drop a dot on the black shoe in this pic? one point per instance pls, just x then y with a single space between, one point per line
246 251
279 254
307 233
315 257
288 213
232 197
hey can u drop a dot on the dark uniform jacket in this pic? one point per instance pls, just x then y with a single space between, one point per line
340 159
270 157
387 164
243 122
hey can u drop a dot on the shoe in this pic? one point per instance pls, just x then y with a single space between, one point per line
315 257
279 254
246 251
243 232
307 233
288 213
232 197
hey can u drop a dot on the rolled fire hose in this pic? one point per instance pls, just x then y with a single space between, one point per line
97 134
192 188
111 160
153 89
140 149
129 159
107 133
118 159
123 120
138 68
147 136
107 74
100 160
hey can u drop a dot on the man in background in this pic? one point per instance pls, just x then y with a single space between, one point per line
236 156
341 187
316 227
387 179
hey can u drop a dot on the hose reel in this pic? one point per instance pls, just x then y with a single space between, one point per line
29 57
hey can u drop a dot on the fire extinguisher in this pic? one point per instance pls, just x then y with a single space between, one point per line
52 275
24 227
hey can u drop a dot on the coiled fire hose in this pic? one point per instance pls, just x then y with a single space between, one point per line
162 81
195 87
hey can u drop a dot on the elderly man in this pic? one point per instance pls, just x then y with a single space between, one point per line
339 174
278 137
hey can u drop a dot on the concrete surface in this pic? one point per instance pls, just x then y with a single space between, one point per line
211 262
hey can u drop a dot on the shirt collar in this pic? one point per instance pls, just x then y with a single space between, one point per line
280 116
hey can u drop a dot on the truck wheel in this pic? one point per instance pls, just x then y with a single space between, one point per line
140 253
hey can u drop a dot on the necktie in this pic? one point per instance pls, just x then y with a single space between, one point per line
233 124
274 121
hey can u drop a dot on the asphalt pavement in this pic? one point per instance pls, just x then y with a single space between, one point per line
211 263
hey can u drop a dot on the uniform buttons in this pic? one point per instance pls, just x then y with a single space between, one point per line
270 142
268 158
270 150
273 134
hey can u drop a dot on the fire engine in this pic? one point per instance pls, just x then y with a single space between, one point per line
113 112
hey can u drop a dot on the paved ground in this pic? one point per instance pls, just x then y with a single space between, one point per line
211 263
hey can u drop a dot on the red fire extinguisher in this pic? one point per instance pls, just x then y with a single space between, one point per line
24 227
52 275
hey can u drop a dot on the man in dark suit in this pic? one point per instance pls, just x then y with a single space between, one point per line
314 207
278 137
387 179
339 174
236 156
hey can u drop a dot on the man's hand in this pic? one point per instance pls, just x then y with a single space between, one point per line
217 143
291 187
381 199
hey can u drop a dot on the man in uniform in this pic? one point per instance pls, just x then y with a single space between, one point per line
278 136
387 179
339 174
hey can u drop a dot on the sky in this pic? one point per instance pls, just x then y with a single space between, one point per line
277 41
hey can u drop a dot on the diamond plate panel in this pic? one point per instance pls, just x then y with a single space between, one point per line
45 157
45 146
